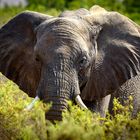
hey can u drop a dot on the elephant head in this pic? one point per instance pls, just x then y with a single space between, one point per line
48 57
86 53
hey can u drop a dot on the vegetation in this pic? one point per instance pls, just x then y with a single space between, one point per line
18 123
15 121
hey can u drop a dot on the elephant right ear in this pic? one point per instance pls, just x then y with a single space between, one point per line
117 52
17 59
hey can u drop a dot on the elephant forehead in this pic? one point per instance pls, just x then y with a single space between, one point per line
62 35
64 28
66 45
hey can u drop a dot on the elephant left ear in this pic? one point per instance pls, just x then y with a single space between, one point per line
117 56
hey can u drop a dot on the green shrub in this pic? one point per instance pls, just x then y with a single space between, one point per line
37 3
7 13
17 123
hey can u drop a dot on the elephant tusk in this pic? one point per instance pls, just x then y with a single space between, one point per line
80 102
30 106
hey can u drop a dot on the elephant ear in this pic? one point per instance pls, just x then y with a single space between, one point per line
17 59
118 53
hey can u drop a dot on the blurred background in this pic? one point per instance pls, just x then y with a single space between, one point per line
9 8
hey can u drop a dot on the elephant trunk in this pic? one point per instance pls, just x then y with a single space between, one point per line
57 87
59 104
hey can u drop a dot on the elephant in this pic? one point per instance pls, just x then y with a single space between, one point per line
84 56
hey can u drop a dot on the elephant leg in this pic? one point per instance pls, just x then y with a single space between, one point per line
99 106
129 88
102 105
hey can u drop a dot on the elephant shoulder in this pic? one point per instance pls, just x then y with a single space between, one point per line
131 88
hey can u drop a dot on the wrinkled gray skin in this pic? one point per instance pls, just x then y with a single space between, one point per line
87 53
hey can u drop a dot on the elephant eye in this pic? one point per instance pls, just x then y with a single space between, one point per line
83 62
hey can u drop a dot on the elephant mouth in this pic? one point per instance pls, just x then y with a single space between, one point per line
82 86
78 100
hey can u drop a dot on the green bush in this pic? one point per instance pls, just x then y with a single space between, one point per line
121 5
17 123
7 13
54 7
